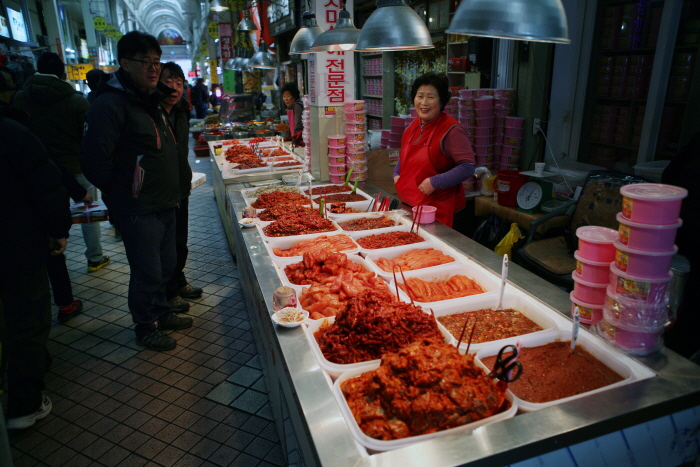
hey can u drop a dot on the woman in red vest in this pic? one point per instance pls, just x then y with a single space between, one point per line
436 155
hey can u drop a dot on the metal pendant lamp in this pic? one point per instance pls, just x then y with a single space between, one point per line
342 38
246 24
393 26
305 37
244 64
528 20
230 64
262 58
218 5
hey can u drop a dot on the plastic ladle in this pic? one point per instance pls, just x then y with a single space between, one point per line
504 279
574 329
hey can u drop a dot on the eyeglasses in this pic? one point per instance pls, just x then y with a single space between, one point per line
147 64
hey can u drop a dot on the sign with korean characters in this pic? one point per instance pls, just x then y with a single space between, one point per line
117 35
99 23
78 72
213 29
230 81
110 30
213 77
225 42
331 74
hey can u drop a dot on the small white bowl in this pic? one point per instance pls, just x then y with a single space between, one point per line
275 318
249 222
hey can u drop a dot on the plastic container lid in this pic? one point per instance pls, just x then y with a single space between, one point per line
627 249
590 261
577 278
597 234
653 192
652 280
623 220
581 303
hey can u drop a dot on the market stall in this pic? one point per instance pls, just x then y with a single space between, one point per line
314 430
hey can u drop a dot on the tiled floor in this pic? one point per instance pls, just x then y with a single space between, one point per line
114 403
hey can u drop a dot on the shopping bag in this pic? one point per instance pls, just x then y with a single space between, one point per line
505 246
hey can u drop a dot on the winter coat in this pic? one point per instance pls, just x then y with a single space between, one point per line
36 203
57 117
128 150
178 116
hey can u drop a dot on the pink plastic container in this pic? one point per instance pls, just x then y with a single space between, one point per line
484 102
356 117
355 156
398 121
513 132
395 137
634 314
483 131
511 141
360 147
647 237
590 313
652 203
631 342
355 127
484 140
484 122
397 130
510 150
597 272
469 103
508 160
354 106
588 291
360 175
356 138
504 92
484 113
336 160
643 289
467 112
339 169
483 160
514 122
427 215
336 140
467 93
483 150
357 164
650 264
337 179
451 110
595 243
336 151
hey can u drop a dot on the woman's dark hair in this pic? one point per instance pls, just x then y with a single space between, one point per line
50 64
135 42
291 88
438 81
174 70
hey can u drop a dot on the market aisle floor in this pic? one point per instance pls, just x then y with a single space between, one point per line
114 403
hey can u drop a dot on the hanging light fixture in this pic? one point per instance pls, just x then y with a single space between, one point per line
343 37
246 24
230 64
244 64
305 37
218 5
528 20
262 58
393 26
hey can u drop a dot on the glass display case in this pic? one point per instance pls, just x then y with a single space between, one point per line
237 108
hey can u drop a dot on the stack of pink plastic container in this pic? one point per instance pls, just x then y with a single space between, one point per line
306 133
637 300
356 139
337 154
398 125
594 256
511 137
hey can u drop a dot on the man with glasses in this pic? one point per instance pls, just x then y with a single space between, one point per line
130 154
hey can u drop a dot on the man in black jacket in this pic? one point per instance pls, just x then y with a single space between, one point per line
200 98
38 212
176 109
130 154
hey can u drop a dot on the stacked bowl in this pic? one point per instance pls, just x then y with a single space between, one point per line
637 299
510 134
306 133
398 126
337 158
356 139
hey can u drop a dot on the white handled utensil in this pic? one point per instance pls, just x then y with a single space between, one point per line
504 279
574 329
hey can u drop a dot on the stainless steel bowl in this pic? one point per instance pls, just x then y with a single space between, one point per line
263 134
240 134
215 137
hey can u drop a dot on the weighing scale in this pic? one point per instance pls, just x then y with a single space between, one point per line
535 192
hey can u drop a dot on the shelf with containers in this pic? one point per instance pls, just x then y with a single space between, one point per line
462 57
376 85
637 106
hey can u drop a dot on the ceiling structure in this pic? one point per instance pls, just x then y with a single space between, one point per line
167 14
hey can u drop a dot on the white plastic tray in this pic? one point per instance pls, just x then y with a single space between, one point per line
299 237
398 219
286 242
519 302
399 228
390 253
443 273
594 346
283 276
359 205
376 445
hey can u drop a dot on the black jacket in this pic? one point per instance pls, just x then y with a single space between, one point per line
128 151
178 117
36 204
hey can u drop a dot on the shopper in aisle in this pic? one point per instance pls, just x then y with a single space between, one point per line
130 154
291 96
176 109
37 212
436 155
93 78
200 98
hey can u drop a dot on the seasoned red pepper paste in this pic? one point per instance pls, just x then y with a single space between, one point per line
492 324
552 372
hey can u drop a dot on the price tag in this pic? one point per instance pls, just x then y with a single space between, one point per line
99 23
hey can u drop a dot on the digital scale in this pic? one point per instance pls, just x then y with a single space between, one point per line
533 194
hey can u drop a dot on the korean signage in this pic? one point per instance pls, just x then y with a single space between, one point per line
225 42
213 29
99 23
331 74
78 72
213 77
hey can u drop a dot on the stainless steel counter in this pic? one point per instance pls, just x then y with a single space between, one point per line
313 431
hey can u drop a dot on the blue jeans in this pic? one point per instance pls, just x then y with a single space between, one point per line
149 241
91 232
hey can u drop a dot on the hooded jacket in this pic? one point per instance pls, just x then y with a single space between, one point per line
178 117
128 150
57 116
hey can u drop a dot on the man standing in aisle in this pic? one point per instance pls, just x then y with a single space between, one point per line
176 111
130 154
200 98
57 116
